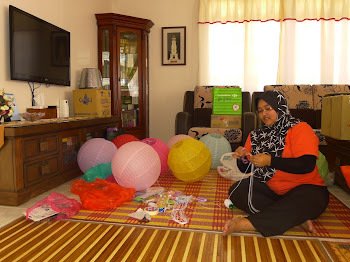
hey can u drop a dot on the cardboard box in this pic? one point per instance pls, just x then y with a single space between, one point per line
335 120
92 103
226 121
227 101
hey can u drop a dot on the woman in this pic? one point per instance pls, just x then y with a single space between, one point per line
286 188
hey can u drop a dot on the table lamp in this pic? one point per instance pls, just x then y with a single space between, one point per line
90 78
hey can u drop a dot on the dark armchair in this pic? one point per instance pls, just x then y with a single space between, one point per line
195 118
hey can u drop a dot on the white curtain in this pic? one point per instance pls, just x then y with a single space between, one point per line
239 54
280 50
314 52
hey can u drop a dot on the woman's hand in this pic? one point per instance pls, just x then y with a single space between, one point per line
260 160
240 152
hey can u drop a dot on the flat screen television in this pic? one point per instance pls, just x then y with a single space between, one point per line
39 50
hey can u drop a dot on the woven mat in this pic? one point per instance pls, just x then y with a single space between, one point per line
210 216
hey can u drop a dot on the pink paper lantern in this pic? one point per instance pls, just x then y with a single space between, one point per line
173 140
162 149
136 165
94 152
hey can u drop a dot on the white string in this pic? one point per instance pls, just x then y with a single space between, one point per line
250 194
250 189
240 180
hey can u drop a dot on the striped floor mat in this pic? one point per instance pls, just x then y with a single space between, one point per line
210 216
81 241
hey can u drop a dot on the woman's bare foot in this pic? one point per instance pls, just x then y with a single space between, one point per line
309 226
237 224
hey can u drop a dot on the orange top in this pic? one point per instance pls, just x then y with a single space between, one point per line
300 140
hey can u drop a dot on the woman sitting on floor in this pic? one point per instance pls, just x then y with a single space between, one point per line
286 188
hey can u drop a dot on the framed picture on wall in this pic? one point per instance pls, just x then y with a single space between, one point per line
174 45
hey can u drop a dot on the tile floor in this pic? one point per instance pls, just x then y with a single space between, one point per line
10 213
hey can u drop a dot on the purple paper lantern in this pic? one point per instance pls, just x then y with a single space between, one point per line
94 152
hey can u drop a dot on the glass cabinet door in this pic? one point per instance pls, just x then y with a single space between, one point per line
129 78
106 80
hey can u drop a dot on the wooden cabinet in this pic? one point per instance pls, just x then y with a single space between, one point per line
123 62
39 156
338 154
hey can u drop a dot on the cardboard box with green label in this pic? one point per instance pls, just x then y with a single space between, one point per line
227 101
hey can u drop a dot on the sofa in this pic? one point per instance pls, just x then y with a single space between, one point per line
195 118
305 103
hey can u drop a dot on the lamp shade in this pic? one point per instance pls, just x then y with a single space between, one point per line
189 160
90 78
218 145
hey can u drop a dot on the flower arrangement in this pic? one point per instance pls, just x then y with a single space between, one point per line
6 105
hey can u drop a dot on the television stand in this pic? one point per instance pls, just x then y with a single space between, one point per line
38 156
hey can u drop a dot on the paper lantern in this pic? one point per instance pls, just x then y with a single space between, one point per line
217 145
123 139
94 152
136 165
189 160
177 138
162 149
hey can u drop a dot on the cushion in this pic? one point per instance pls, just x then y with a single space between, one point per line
320 91
320 137
233 135
297 96
203 96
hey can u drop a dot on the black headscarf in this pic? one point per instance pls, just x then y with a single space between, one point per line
271 139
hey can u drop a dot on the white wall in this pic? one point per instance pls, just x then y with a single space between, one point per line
167 83
77 17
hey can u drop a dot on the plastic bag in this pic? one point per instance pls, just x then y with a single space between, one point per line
66 207
346 173
101 194
322 165
100 171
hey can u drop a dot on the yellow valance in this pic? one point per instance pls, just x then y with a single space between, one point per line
231 11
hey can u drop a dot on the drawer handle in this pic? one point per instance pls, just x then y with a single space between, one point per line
44 146
45 169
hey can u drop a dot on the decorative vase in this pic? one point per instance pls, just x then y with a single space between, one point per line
7 119
4 119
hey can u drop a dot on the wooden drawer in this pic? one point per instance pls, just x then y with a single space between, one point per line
69 148
39 146
38 170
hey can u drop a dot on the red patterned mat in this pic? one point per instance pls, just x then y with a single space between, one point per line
334 222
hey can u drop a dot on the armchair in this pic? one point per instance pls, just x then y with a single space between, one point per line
195 118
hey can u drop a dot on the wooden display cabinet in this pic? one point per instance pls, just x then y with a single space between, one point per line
39 156
123 62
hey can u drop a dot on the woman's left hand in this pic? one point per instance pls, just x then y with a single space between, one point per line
260 160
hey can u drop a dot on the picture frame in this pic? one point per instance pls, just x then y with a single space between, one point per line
174 45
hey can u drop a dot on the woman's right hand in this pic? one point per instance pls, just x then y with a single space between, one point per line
240 152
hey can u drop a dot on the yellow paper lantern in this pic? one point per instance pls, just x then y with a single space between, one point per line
189 160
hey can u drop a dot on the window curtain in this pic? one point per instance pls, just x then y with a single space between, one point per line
253 43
